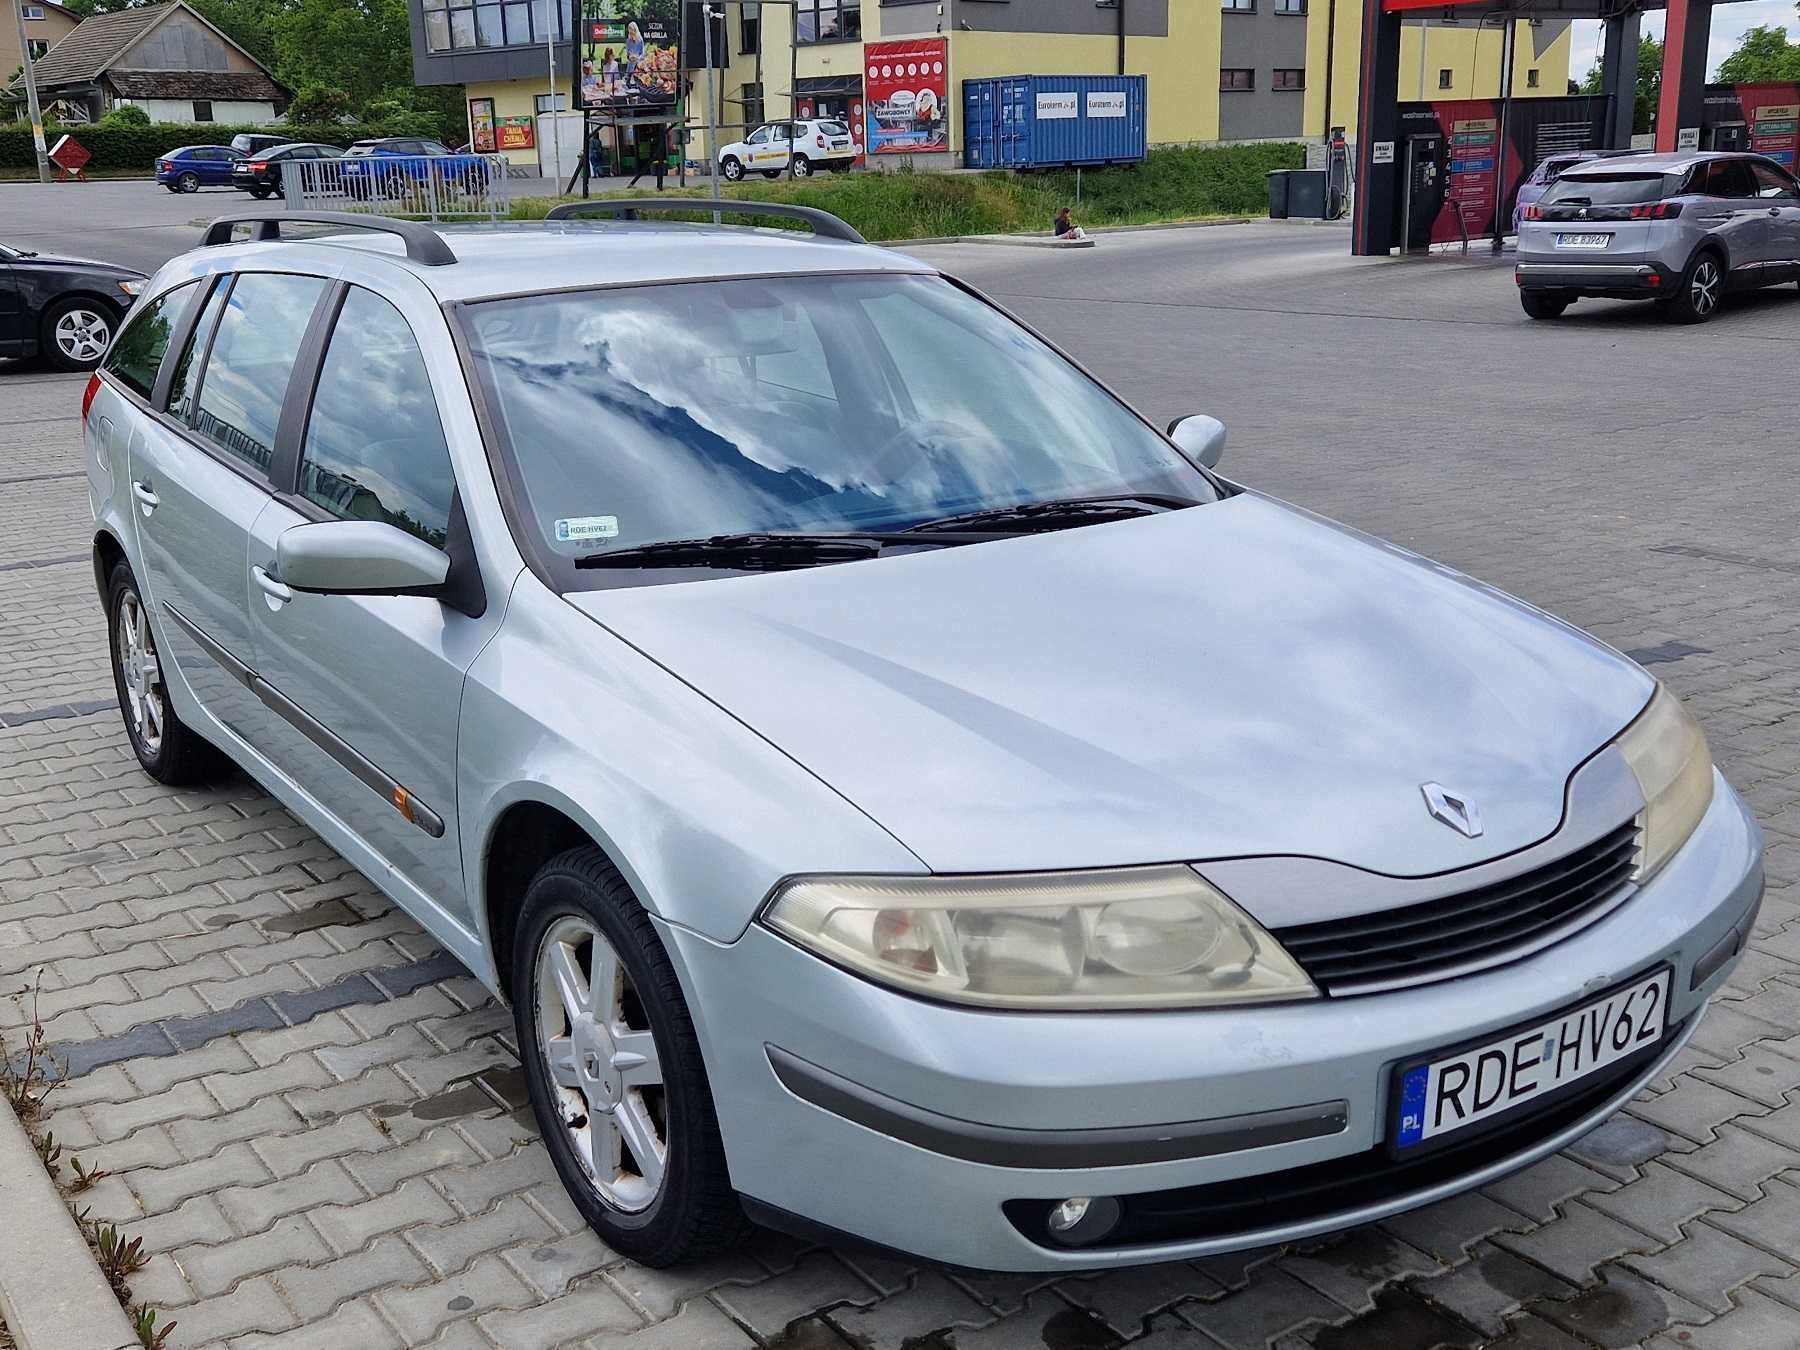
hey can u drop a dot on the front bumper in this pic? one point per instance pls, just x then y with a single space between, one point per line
1618 280
1004 1110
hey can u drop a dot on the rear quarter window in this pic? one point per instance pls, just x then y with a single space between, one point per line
138 353
1610 189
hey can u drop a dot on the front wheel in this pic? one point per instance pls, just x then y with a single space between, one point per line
732 168
802 167
614 1067
168 749
76 332
1541 305
1697 298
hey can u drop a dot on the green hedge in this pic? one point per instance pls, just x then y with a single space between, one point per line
136 148
1171 184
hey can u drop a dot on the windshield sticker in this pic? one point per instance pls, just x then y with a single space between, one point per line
586 527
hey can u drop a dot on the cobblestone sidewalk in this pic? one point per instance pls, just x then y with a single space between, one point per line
312 1119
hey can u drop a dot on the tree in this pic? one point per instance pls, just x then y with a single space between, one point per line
363 47
1649 84
318 103
1763 54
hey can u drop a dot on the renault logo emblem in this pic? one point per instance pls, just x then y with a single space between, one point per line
1456 811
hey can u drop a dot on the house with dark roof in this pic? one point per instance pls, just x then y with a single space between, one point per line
46 24
166 59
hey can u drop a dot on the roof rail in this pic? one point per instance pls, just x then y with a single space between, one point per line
825 225
423 244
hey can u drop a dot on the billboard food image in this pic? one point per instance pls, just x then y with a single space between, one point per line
906 88
481 125
629 52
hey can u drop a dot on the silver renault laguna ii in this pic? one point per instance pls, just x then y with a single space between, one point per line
901 793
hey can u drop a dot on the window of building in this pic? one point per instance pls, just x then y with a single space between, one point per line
1237 78
1531 79
1446 77
1293 77
753 103
437 26
750 32
253 353
457 24
1290 6
203 110
39 48
1238 6
374 446
136 356
828 21
543 103
518 23
33 12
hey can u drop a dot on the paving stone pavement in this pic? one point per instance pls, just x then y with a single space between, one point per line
314 1121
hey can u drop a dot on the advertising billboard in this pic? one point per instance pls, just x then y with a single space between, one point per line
629 53
517 133
906 96
481 125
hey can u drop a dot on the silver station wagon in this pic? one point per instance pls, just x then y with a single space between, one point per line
903 794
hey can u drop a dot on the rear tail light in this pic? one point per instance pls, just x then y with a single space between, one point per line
258 166
164 165
1533 212
87 395
1656 211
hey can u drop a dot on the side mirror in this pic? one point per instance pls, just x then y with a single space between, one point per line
357 557
1201 436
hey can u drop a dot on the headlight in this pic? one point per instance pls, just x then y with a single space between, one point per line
1668 752
1143 937
132 288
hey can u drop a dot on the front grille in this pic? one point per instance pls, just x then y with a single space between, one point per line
1315 1191
1475 927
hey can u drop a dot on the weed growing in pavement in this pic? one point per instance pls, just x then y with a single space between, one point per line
26 1080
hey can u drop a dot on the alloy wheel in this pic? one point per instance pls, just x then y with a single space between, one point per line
141 673
82 334
1703 290
600 1056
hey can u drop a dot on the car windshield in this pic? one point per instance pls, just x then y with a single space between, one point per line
1606 189
817 404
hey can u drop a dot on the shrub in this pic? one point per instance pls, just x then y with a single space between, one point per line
125 115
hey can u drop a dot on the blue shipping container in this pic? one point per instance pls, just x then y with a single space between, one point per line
1054 121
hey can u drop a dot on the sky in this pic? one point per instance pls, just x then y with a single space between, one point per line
1729 24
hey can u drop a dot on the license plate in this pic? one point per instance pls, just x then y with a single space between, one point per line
1480 1082
1583 240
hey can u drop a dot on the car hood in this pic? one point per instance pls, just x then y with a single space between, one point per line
1238 679
65 260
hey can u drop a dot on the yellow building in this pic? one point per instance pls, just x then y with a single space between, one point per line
1216 70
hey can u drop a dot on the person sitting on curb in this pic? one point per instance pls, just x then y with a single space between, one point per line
1067 231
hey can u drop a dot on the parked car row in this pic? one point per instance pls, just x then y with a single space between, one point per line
382 166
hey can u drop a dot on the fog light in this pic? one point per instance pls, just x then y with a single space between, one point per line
1082 1219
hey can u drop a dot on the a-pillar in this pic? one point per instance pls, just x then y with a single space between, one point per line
1683 73
1618 77
1376 227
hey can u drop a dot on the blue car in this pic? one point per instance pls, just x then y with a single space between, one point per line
392 165
193 167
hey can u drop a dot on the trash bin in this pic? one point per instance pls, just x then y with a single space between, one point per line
1278 193
1306 194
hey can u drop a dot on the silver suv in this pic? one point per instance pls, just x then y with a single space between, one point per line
1682 230
899 790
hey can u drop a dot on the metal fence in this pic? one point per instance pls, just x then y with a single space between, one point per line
437 187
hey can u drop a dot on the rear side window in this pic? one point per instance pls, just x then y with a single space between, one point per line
1606 189
1772 182
253 352
374 447
1725 178
138 353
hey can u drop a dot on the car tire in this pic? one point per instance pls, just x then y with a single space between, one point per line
802 167
578 908
771 173
1699 293
733 169
261 193
188 182
1544 305
168 749
172 187
76 332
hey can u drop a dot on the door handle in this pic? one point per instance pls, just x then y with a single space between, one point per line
270 587
148 499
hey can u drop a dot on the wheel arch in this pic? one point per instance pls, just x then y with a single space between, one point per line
109 552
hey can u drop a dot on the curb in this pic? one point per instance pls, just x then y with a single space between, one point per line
52 1294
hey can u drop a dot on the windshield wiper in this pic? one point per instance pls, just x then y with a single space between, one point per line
1062 514
767 552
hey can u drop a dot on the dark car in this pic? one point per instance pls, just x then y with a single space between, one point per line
249 142
192 167
391 165
260 175
66 308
